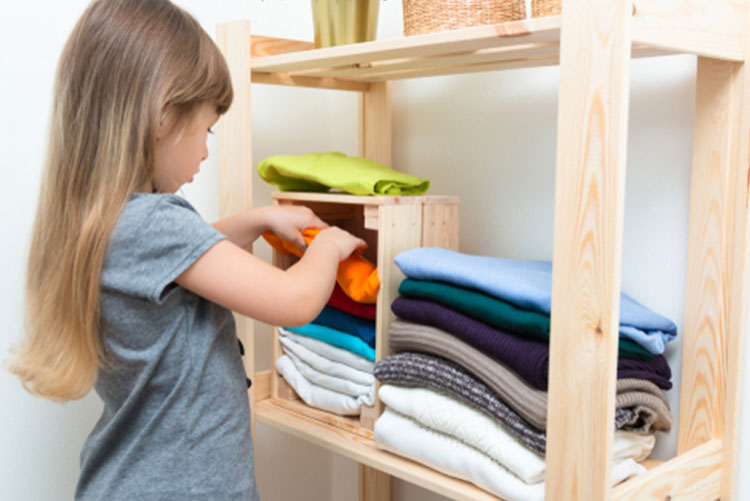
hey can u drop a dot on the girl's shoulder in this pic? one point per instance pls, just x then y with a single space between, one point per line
157 210
157 236
140 203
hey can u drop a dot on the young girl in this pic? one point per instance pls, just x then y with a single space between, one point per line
128 289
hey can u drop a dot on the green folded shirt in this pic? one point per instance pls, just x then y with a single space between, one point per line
498 313
323 171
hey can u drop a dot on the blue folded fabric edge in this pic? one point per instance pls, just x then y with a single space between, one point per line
528 285
336 338
345 322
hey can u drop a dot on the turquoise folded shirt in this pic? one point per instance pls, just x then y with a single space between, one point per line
323 171
336 338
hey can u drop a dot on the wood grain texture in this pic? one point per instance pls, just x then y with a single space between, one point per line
263 46
375 124
412 64
711 28
374 485
342 198
262 383
738 328
468 39
440 223
589 198
399 229
693 476
348 424
311 82
357 77
235 180
706 298
664 27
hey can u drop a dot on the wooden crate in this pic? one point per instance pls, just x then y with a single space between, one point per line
389 225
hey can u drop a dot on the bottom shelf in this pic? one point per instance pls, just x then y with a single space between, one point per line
281 415
363 450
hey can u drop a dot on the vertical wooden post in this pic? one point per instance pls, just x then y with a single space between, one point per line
739 273
375 144
375 123
715 321
374 485
589 197
235 162
703 357
399 229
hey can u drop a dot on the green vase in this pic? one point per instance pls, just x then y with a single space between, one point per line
340 22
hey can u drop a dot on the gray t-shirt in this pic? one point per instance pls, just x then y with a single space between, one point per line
176 422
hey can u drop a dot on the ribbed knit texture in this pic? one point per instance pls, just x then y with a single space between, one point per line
529 402
426 371
529 358
420 370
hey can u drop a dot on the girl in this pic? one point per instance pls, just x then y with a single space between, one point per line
128 289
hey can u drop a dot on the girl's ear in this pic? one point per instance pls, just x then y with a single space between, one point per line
165 124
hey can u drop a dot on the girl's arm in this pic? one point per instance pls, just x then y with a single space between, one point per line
235 279
286 221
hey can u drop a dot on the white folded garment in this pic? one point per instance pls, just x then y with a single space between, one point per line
326 366
317 396
403 436
334 383
330 352
447 415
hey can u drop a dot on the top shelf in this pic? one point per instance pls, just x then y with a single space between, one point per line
659 27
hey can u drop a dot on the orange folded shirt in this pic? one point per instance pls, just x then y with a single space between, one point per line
357 276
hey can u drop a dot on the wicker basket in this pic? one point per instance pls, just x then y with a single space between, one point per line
543 8
427 16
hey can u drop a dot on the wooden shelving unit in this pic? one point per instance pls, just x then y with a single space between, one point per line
593 42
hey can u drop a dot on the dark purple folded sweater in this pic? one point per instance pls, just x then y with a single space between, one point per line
529 358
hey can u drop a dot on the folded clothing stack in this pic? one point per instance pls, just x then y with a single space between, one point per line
329 362
324 376
470 373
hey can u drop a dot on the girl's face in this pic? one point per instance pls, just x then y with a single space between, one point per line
180 150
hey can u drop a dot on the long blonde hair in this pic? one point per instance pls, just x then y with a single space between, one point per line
124 64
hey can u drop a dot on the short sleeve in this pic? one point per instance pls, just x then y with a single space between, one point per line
156 238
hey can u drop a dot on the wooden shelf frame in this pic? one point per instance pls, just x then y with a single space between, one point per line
593 42
389 225
659 27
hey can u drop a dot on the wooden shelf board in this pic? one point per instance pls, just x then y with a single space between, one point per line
285 416
433 44
342 198
363 450
657 30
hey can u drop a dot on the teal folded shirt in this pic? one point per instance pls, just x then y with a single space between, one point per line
336 338
323 171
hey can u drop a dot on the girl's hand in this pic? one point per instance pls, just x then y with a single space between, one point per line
343 241
288 222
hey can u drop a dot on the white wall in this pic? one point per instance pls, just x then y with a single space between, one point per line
488 138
